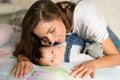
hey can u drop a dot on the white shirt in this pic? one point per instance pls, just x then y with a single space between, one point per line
89 24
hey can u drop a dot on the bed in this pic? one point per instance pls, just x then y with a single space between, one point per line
8 61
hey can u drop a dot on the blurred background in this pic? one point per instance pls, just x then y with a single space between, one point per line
12 11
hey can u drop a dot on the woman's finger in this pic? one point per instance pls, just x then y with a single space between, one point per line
27 68
92 74
81 73
76 67
13 71
86 74
77 70
21 69
17 71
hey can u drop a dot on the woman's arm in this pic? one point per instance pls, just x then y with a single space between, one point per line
22 58
111 58
23 67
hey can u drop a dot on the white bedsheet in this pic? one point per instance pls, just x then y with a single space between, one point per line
7 62
111 73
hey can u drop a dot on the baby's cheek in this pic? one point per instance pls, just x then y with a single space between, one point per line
58 62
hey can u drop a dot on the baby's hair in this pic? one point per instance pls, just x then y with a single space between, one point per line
37 54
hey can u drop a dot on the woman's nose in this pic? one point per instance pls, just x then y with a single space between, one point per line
51 40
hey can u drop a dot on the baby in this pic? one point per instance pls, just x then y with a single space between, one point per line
69 51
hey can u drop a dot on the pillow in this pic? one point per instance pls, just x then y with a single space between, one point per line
6 33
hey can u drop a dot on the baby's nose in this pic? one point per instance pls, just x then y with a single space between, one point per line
56 55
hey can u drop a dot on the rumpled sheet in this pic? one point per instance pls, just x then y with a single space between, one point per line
8 61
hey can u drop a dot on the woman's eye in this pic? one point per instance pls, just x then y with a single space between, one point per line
52 30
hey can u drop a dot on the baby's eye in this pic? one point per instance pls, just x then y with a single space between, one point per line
51 61
52 51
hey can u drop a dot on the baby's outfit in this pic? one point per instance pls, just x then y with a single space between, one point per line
73 40
75 47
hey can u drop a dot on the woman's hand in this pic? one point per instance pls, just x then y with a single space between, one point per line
84 70
22 68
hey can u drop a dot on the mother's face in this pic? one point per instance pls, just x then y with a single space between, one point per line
50 32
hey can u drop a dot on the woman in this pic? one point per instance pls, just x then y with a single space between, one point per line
46 24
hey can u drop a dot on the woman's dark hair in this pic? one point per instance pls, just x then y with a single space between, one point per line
67 8
41 10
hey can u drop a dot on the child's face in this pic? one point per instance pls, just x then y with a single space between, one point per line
52 56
